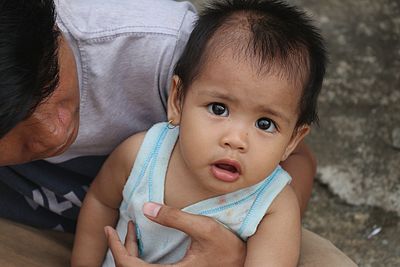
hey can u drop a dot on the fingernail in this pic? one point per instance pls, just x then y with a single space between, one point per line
151 209
106 231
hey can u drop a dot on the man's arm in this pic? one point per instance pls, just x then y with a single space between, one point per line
302 166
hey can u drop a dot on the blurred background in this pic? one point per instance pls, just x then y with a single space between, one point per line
356 197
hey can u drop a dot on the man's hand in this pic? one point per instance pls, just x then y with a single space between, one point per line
212 244
124 255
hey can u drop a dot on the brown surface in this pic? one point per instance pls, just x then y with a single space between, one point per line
25 246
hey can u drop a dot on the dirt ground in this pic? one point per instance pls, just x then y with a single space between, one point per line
370 236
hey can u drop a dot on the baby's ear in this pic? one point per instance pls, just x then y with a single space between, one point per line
175 101
298 135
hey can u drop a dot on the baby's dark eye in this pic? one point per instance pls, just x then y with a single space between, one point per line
266 125
218 109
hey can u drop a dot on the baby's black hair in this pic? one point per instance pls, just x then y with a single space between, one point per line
270 34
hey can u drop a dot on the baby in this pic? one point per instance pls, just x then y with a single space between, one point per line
244 94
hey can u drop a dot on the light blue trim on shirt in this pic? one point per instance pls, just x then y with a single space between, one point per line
240 211
246 198
154 156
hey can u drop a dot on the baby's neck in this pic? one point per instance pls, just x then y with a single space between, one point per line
181 189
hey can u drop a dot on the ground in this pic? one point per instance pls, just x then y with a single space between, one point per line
351 228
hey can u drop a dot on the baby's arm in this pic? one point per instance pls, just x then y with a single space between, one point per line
276 242
100 206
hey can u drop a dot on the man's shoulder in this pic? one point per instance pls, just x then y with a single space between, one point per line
92 19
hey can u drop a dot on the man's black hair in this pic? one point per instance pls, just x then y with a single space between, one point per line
270 34
28 58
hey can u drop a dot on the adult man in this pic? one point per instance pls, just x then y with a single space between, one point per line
72 90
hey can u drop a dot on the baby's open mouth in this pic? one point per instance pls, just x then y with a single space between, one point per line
227 167
226 170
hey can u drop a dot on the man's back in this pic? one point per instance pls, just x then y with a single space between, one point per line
125 53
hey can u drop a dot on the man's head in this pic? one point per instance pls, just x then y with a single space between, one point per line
28 54
38 85
270 35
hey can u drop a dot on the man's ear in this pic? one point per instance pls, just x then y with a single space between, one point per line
297 136
175 101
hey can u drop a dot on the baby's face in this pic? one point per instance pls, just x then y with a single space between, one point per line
235 125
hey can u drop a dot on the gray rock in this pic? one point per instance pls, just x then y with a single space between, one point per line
358 142
396 137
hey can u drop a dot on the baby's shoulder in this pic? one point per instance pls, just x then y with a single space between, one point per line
132 144
285 200
124 155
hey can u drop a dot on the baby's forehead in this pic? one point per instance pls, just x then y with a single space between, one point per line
290 61
289 71
226 69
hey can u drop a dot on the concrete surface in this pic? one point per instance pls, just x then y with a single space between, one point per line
356 201
357 144
368 235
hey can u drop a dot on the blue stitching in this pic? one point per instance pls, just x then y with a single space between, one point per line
139 241
154 154
125 34
256 201
144 167
227 206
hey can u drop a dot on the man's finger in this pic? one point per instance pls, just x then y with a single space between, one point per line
130 240
115 244
210 241
175 218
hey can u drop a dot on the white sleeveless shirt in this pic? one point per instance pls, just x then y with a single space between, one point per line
240 211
